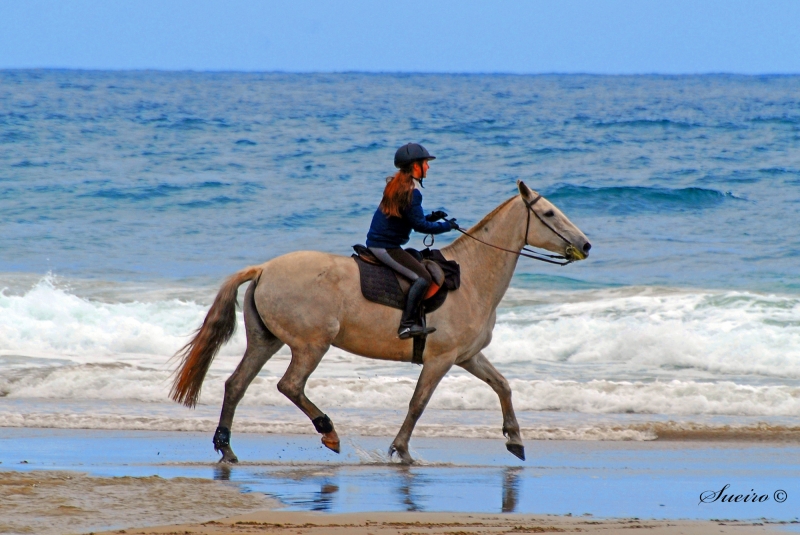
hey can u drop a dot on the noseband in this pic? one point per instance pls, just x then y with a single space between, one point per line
530 253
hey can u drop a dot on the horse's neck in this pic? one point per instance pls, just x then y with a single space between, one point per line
486 269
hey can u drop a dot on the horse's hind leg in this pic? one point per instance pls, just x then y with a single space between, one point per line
480 367
261 345
305 360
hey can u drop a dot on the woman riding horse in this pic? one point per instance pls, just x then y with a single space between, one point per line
399 212
312 301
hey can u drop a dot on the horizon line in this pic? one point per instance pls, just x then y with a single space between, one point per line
391 72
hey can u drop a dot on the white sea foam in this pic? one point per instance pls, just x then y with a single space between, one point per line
208 425
455 392
641 332
538 426
51 322
632 350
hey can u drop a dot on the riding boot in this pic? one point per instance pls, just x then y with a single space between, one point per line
410 324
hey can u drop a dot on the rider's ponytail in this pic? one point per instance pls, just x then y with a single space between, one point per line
397 193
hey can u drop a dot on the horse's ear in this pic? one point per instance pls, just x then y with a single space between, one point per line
525 191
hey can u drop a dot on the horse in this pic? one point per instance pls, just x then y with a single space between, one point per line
311 301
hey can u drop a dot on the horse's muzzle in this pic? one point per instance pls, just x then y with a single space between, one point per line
573 254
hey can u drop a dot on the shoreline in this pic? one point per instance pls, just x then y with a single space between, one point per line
126 415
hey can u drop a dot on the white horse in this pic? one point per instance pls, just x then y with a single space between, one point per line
312 301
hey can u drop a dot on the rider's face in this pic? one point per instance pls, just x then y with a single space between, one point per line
420 170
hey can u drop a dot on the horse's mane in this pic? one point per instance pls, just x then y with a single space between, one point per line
483 222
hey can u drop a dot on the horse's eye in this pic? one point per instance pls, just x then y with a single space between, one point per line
549 213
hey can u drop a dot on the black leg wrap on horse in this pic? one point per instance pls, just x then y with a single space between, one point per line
322 424
222 438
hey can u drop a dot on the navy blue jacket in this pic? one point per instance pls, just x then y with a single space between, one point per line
390 232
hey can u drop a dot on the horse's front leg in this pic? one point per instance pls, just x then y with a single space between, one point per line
480 367
433 369
305 360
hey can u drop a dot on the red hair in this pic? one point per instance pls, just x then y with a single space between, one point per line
397 194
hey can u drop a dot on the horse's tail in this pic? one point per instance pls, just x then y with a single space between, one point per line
217 328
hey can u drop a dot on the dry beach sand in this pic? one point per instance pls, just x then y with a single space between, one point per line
446 524
57 502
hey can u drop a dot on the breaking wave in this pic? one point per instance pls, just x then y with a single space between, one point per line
641 351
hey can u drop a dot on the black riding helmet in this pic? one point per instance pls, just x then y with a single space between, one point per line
410 153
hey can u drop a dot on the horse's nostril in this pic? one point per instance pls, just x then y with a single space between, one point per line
586 247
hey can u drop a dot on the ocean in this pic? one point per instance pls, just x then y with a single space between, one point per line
127 197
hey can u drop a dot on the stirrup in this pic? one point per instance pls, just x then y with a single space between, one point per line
416 330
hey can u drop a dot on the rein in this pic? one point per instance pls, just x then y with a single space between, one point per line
529 253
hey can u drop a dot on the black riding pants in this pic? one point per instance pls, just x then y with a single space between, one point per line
402 262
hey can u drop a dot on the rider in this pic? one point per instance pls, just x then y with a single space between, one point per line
399 212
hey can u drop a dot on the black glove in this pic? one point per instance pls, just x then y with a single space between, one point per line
435 216
453 224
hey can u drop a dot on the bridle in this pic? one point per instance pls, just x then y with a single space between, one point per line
530 253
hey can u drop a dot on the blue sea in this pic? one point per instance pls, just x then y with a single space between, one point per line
127 197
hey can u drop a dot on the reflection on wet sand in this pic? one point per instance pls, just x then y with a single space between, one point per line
324 499
405 488
222 472
511 489
398 488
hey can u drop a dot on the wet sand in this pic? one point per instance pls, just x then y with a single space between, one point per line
80 481
47 502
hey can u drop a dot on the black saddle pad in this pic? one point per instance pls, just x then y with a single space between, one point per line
379 284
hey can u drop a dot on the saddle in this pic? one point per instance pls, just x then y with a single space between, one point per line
381 284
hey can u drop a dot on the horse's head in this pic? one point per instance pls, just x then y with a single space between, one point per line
549 228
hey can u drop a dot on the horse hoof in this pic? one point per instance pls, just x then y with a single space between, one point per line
405 458
331 444
518 450
229 459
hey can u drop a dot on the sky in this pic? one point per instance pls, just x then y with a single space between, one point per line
464 36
